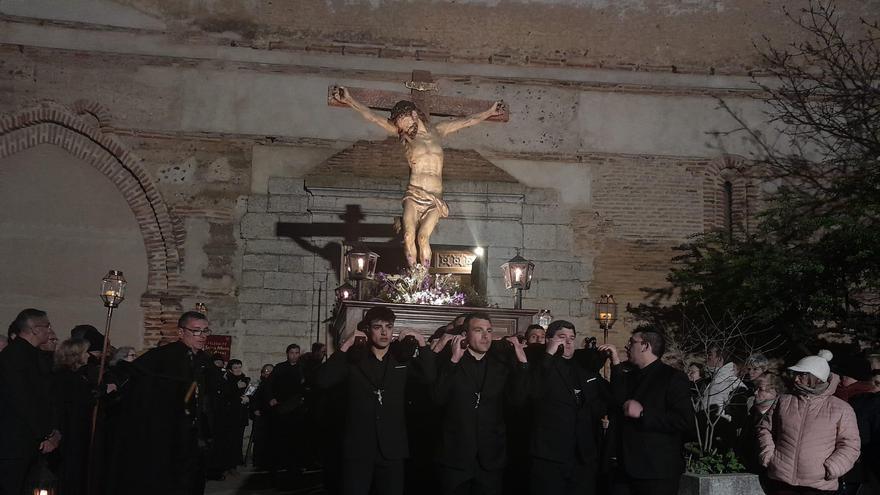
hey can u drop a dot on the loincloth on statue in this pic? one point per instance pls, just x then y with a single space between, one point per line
425 202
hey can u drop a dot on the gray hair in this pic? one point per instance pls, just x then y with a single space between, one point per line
120 354
758 360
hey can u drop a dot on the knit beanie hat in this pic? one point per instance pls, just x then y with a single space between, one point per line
815 365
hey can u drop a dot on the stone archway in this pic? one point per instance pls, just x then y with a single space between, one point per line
81 131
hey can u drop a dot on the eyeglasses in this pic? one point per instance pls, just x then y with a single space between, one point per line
198 331
632 341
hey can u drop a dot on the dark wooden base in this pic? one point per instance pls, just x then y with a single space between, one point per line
426 319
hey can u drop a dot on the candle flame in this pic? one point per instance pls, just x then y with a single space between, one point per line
360 263
517 274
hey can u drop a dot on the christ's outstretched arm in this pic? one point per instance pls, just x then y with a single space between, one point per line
450 126
342 95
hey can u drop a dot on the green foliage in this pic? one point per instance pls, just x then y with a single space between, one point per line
713 462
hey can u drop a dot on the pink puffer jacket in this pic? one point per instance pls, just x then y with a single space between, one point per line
809 440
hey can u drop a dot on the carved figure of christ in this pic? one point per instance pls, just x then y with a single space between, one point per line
423 204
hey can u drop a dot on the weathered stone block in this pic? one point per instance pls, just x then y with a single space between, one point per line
505 210
286 185
280 280
260 262
285 312
265 296
546 214
248 311
281 246
251 279
257 203
720 484
287 204
258 225
292 264
539 236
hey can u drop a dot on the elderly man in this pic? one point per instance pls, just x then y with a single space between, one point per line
26 407
656 414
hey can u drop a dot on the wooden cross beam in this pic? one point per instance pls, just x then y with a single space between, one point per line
421 86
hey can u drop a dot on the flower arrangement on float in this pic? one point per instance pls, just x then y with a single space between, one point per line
416 286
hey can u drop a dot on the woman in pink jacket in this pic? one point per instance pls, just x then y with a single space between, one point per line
809 438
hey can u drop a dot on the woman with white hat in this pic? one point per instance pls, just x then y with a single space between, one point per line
809 438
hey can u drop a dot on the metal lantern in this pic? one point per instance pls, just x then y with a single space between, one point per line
360 264
606 313
201 308
345 292
113 289
544 318
518 277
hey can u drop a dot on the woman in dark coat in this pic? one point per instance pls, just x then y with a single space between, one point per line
73 394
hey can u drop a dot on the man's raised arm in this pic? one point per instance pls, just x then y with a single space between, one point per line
342 95
450 126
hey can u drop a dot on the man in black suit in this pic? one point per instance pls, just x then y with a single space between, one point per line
27 416
376 373
656 416
169 415
568 402
471 387
287 390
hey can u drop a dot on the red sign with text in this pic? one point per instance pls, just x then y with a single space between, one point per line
219 344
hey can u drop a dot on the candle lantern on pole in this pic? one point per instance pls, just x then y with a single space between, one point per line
606 314
360 264
518 273
112 294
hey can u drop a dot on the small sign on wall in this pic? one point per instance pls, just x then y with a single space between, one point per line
219 344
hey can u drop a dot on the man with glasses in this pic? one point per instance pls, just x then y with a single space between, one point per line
26 407
655 415
170 412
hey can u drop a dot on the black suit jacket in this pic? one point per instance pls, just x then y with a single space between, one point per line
477 433
27 410
372 429
650 447
566 426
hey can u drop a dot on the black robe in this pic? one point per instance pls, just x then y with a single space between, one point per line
169 421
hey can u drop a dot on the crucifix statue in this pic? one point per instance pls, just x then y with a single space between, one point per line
423 204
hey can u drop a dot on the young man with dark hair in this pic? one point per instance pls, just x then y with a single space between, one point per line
167 430
374 432
472 387
27 419
536 334
656 414
568 406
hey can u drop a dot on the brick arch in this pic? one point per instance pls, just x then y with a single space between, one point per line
51 123
745 194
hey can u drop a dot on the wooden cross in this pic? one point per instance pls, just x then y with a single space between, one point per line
421 86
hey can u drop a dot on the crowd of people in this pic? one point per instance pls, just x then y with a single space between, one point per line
459 412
